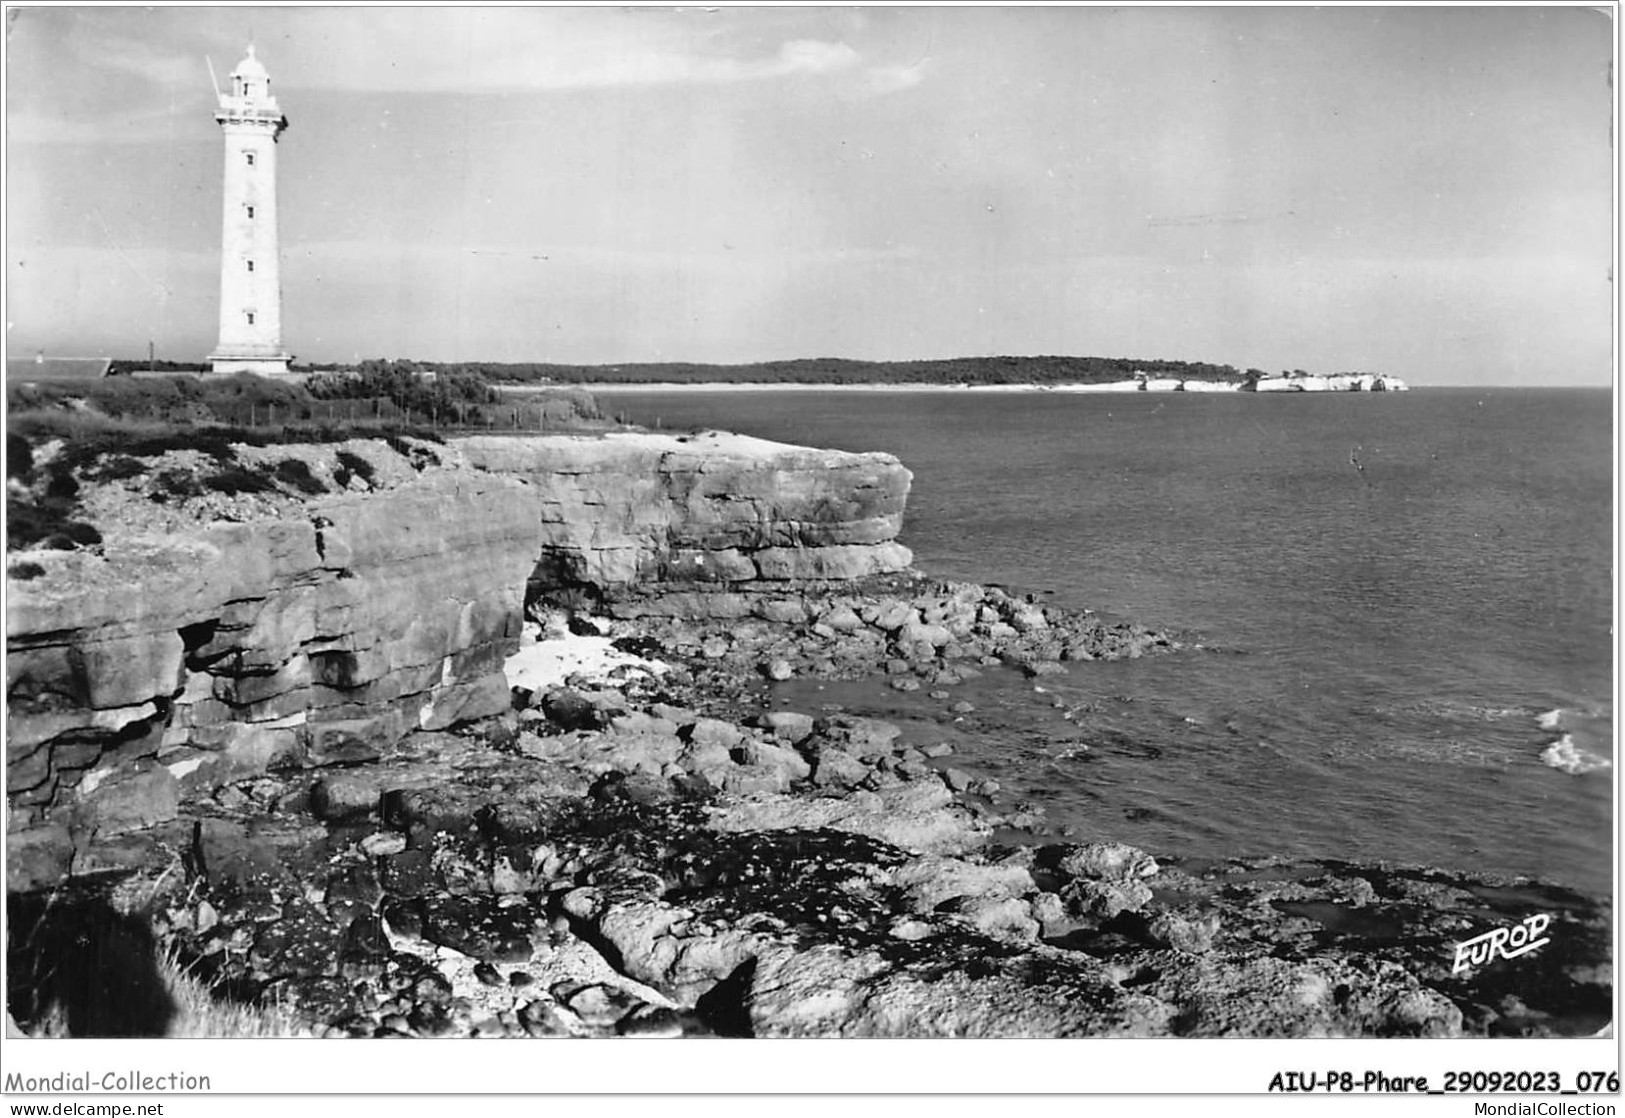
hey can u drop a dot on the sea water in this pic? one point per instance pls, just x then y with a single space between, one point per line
1403 603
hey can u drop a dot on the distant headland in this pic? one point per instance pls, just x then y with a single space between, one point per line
1099 374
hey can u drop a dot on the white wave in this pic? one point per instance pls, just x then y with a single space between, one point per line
1551 720
1567 757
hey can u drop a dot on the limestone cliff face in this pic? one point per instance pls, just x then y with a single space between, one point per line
213 638
719 512
299 638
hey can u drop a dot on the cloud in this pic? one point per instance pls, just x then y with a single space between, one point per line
799 56
495 50
809 56
893 79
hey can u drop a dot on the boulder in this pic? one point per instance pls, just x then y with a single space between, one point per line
127 800
712 732
785 765
783 611
919 816
1186 934
1104 899
930 880
957 779
342 797
839 769
914 633
634 748
1025 617
1109 861
227 850
788 726
1006 918
859 735
841 619
37 857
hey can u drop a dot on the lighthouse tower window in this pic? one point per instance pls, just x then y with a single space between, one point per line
250 210
250 156
250 264
250 317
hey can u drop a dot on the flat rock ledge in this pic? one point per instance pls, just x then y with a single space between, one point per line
663 855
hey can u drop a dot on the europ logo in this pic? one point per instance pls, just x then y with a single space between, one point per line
1505 943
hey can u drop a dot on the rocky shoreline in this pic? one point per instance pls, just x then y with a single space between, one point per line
669 850
655 855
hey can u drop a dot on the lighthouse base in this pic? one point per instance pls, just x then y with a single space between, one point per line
224 362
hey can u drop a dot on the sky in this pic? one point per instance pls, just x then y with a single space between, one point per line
1419 191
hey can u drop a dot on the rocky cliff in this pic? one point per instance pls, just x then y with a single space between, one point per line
714 513
223 629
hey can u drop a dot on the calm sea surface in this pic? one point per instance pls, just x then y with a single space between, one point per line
1404 601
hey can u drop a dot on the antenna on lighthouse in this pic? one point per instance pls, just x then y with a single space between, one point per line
214 82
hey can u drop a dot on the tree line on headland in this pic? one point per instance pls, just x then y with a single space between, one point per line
832 370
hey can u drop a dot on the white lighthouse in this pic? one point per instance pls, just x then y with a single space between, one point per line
250 264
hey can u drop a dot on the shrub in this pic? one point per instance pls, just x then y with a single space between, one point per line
350 466
420 457
238 479
63 486
296 473
24 571
46 525
82 534
116 468
177 484
19 455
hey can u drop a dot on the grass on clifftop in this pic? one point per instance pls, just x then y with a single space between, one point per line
350 403
60 436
